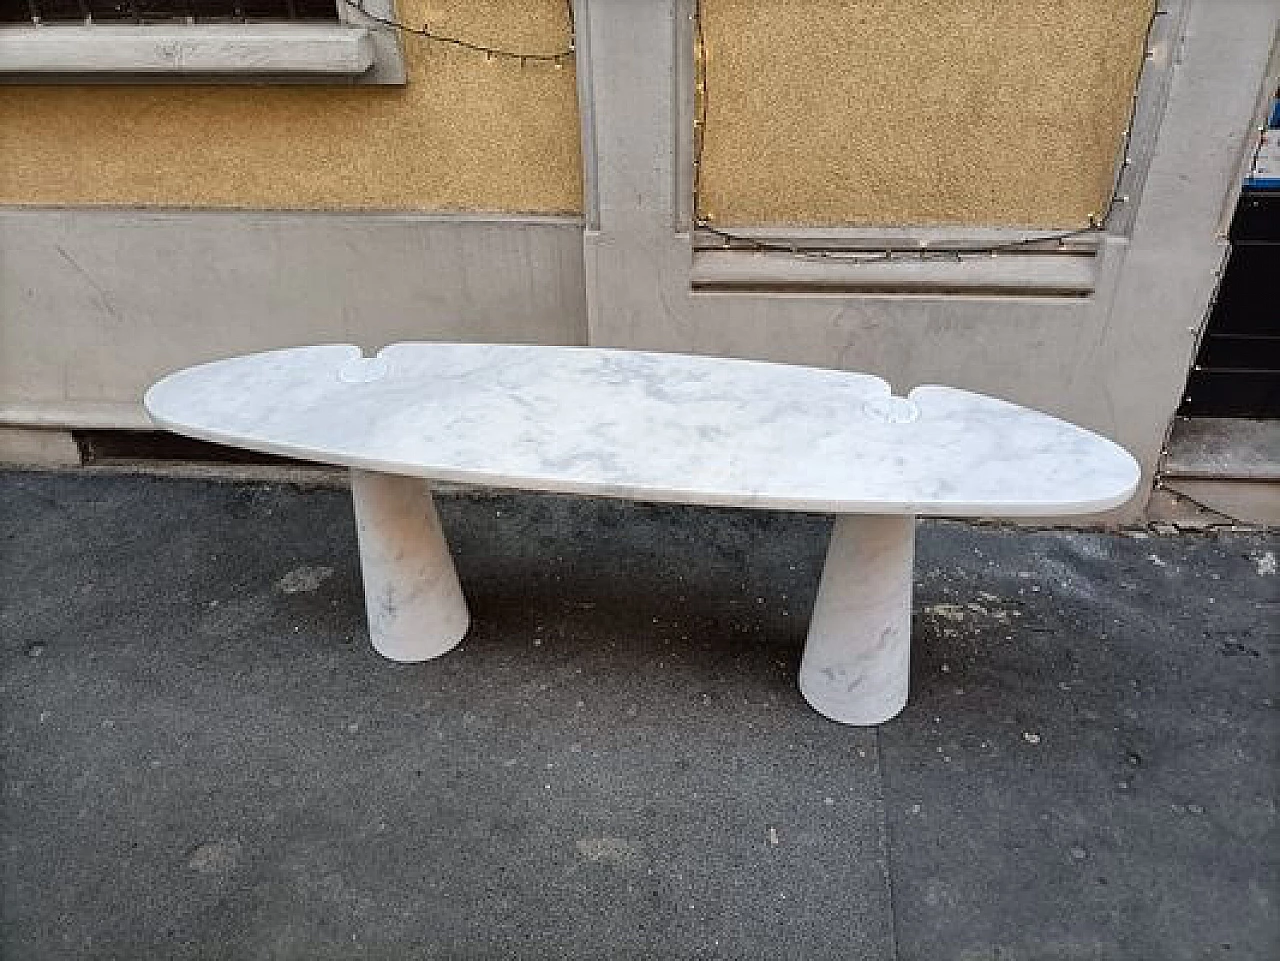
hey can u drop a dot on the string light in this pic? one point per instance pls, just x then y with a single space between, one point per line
732 241
557 57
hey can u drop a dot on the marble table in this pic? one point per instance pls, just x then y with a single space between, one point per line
651 427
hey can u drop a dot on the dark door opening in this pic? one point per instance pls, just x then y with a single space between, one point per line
1237 370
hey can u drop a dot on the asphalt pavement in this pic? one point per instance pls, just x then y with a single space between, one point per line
202 757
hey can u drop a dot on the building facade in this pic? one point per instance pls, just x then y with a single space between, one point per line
1023 199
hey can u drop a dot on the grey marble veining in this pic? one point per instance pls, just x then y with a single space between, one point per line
413 601
658 427
857 656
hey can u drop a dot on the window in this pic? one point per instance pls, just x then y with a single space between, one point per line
882 147
306 41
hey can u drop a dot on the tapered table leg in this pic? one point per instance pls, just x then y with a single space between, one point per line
858 652
413 600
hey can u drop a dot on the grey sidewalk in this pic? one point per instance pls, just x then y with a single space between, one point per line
202 757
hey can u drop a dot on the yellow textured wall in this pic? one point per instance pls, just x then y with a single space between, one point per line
1000 112
466 133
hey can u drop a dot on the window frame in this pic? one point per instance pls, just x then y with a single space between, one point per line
887 259
354 49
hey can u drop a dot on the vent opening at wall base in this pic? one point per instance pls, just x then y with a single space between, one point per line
109 448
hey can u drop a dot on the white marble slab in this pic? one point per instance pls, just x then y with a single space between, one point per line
656 427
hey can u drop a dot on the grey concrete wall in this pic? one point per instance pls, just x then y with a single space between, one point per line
95 305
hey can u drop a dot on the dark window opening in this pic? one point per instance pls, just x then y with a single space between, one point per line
1237 370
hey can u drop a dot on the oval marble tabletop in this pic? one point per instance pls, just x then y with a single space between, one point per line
656 427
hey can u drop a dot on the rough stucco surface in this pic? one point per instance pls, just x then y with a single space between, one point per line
465 133
915 111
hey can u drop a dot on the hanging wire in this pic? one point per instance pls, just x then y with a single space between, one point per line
733 241
700 106
737 241
557 57
1231 520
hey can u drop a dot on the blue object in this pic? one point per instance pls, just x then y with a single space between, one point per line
1265 160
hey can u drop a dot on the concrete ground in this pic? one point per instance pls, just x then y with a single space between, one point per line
203 758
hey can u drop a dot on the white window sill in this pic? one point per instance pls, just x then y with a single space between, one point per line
338 51
1068 275
895 261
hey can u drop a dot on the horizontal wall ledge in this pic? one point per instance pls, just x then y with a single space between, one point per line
1223 448
234 49
74 415
1065 274
74 215
898 238
1200 502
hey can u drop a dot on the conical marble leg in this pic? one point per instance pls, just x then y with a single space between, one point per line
412 597
858 652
